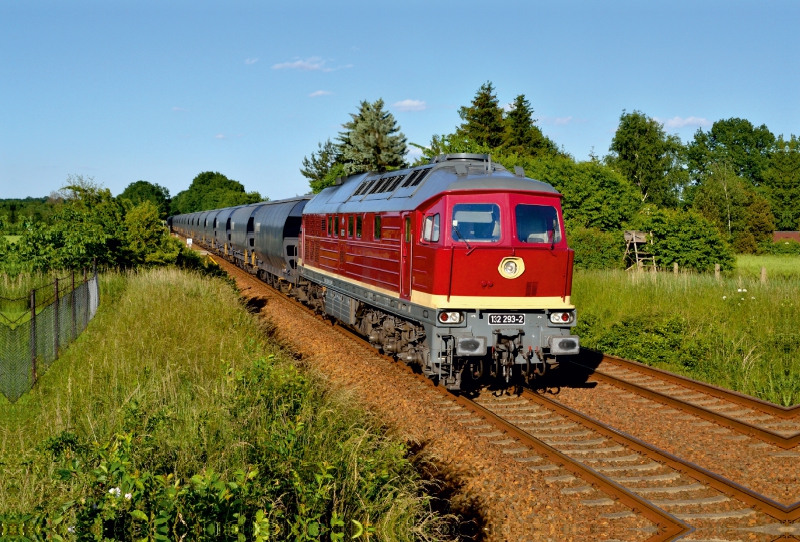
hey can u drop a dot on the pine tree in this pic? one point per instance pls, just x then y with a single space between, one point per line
318 168
522 135
483 120
372 141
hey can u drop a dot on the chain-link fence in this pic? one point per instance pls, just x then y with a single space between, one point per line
33 329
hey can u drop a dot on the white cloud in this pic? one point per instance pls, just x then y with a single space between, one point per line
249 61
559 121
678 122
220 136
310 64
320 93
410 105
181 109
414 152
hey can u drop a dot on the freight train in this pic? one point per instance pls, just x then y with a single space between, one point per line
460 266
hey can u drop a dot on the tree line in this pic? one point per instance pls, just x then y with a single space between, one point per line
723 192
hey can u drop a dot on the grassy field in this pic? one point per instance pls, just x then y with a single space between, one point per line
174 412
13 238
736 332
777 266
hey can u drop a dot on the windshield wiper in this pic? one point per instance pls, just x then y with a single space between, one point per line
469 248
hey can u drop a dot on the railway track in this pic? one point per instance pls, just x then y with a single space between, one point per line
765 421
607 468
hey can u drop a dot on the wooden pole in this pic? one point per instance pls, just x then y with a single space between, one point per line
675 268
55 320
716 271
763 275
33 334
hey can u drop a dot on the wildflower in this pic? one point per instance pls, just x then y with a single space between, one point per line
752 298
742 299
115 491
71 530
724 297
128 496
744 290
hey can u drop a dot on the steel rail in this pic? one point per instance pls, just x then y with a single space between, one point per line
732 489
709 389
766 435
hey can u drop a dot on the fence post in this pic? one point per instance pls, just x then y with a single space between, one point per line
716 271
763 275
86 304
74 317
675 268
55 320
33 334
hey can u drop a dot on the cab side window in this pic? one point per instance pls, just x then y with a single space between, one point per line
430 229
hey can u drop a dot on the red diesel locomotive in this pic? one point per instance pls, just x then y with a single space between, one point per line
460 266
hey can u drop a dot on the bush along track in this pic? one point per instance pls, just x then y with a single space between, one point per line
174 418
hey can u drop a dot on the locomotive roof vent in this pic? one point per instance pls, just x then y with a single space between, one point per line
460 156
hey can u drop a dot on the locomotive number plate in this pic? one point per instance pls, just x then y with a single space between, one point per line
506 319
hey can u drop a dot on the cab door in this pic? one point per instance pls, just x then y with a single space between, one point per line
405 255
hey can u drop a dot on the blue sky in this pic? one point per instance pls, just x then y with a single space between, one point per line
163 90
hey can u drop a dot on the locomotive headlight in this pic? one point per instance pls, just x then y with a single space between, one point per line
561 317
511 267
451 317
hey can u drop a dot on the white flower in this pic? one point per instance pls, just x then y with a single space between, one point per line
115 491
744 289
70 529
752 298
742 299
724 297
128 496
739 290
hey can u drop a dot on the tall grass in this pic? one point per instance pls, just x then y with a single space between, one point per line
175 405
788 266
736 332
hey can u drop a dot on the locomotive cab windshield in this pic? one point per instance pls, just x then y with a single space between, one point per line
478 222
537 224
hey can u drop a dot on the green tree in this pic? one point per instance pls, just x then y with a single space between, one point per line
649 158
212 190
522 135
140 191
87 226
734 141
741 215
147 240
322 168
685 237
483 120
372 141
781 183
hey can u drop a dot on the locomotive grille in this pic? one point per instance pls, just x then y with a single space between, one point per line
421 176
411 178
315 256
530 289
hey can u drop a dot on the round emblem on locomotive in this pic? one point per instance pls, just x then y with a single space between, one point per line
511 267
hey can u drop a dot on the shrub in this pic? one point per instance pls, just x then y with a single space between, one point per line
596 249
685 237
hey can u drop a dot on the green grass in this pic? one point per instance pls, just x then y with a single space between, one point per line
13 238
737 332
177 396
777 266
